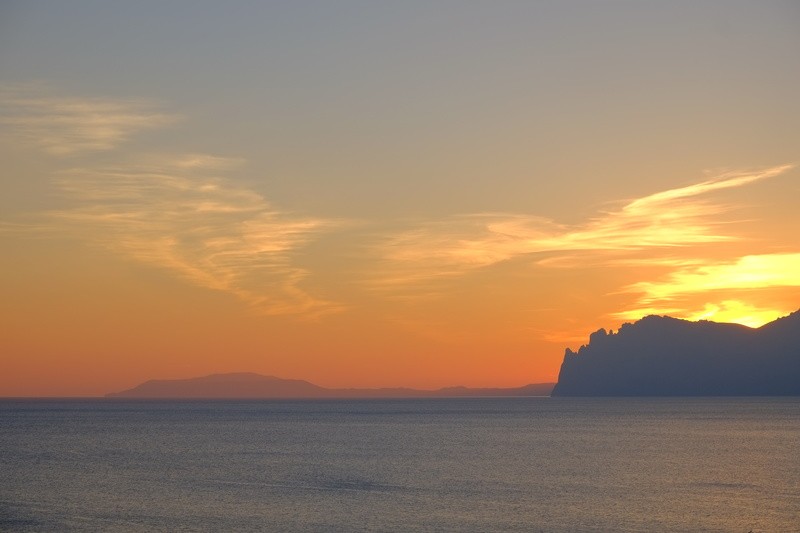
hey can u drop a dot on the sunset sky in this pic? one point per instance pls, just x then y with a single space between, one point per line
375 194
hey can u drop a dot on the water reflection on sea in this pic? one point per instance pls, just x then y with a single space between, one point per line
469 464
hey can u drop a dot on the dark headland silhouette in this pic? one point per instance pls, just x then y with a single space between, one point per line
664 356
248 385
655 356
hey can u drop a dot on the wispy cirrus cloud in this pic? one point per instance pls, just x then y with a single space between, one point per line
201 227
748 272
677 217
65 126
175 212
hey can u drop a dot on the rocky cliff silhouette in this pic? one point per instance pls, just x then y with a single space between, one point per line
250 385
664 356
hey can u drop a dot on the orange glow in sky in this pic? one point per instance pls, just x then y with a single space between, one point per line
431 204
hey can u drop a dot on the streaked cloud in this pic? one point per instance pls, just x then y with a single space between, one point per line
202 161
748 272
65 126
186 214
201 227
673 218
175 212
686 290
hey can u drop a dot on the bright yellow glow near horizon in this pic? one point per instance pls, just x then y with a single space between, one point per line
739 313
748 273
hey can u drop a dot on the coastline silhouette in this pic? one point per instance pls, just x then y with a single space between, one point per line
244 385
664 356
654 356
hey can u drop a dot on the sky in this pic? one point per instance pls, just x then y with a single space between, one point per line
367 194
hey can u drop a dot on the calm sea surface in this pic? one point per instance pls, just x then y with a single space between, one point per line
521 464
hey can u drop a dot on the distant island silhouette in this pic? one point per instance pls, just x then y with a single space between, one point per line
246 385
664 356
654 356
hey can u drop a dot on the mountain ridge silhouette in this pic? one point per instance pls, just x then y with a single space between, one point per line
666 356
249 385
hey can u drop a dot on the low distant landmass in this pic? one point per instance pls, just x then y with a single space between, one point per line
664 356
655 356
245 385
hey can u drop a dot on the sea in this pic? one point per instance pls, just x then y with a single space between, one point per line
466 464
